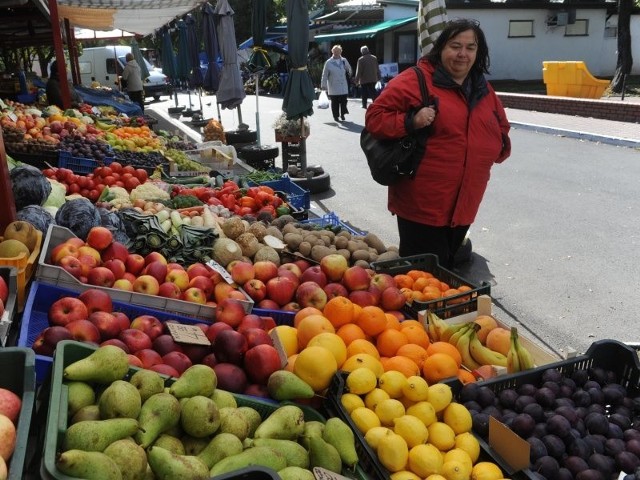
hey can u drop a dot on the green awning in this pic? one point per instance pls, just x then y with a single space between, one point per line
369 31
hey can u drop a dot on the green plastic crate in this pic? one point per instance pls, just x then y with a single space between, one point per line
19 375
69 351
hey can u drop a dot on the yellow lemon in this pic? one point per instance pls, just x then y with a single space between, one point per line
351 401
486 471
393 452
361 381
425 460
441 436
404 475
424 411
454 470
333 343
457 417
374 397
363 360
459 455
469 443
440 396
316 366
406 402
373 436
388 410
364 419
393 382
416 389
288 337
435 476
411 429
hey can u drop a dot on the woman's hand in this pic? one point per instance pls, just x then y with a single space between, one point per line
424 117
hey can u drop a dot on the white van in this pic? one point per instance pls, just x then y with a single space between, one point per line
105 64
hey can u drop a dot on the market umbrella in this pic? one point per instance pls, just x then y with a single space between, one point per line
169 67
137 55
259 59
231 91
211 80
299 92
195 78
183 61
431 21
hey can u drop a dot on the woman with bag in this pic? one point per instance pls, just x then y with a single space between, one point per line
466 132
335 75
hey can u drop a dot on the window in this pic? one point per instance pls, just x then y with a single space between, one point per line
406 43
580 28
611 31
520 28
113 67
85 67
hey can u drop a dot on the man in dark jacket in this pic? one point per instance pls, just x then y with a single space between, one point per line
367 75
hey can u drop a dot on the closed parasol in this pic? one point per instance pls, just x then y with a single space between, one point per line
137 55
431 21
231 90
211 80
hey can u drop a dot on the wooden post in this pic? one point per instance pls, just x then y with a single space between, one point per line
8 210
59 49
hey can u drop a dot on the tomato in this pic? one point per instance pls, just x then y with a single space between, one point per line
82 181
109 180
252 192
245 211
128 169
84 192
115 167
131 183
115 175
264 188
74 188
93 195
106 171
268 209
264 198
49 172
141 174
119 183
230 184
91 184
99 188
125 176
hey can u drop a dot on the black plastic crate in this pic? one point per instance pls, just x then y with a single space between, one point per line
452 306
10 276
606 354
249 473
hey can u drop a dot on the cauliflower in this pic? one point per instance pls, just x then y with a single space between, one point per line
149 191
116 196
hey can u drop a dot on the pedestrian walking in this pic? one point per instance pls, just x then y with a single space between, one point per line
336 75
367 75
132 81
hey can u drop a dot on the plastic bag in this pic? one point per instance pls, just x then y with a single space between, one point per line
323 100
379 86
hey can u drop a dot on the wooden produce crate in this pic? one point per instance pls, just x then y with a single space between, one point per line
26 266
9 274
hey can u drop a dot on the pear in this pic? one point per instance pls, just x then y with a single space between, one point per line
193 445
171 443
295 454
130 458
286 385
96 435
105 365
231 421
80 395
224 398
337 433
158 414
147 382
261 456
221 446
196 380
296 473
253 417
324 455
120 400
88 465
90 412
200 417
285 423
313 428
170 466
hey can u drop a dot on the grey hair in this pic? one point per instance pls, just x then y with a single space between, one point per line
128 57
364 49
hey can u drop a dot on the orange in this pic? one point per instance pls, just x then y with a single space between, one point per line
434 282
339 311
350 332
362 346
431 293
446 348
399 315
410 323
420 283
465 376
372 320
403 281
356 311
417 335
393 322
305 312
450 293
444 286
438 367
316 366
389 341
414 352
415 274
311 326
407 292
465 288
401 364
290 362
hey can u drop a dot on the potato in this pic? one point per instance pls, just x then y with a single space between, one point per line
259 229
372 240
326 240
233 227
344 233
304 248
383 257
274 231
249 244
268 254
362 263
345 253
393 248
352 246
340 241
293 240
361 255
290 228
318 252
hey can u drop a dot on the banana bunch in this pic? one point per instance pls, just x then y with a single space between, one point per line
435 326
105 127
518 357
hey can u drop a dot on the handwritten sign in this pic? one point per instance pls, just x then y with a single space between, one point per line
221 270
187 334
324 474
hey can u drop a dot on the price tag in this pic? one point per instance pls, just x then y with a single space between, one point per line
324 474
95 110
12 116
187 334
221 270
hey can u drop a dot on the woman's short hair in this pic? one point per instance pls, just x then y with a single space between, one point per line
455 27
128 57
336 47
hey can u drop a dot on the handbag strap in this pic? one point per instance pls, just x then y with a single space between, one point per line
423 85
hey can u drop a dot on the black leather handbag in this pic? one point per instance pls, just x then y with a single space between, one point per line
392 159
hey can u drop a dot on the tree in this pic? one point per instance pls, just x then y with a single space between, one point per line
625 59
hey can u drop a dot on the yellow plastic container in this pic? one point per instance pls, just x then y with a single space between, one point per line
25 265
572 79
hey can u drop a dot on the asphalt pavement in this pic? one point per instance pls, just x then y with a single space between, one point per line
556 236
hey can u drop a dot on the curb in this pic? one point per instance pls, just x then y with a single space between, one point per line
592 137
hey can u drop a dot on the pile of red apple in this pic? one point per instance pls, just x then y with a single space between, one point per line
10 405
103 262
4 295
241 351
296 285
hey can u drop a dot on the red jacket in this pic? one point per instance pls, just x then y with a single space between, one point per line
465 140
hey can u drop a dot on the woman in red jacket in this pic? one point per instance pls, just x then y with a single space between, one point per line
466 132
